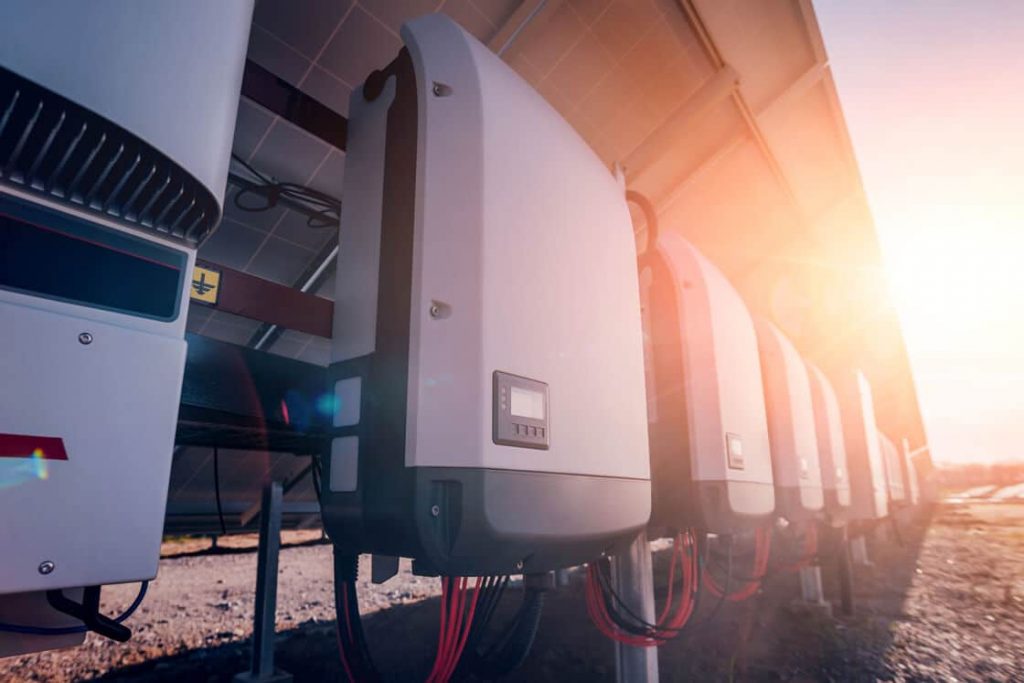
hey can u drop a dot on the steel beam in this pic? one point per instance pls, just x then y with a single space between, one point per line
652 148
258 299
524 14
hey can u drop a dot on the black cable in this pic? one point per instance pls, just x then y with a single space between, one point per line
216 490
769 573
616 603
357 652
508 654
70 630
639 625
325 209
725 590
491 593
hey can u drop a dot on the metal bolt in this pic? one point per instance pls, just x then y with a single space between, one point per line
435 510
85 338
435 310
46 567
519 565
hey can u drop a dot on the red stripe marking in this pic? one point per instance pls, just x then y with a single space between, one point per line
25 446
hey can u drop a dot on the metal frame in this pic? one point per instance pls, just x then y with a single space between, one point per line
265 612
633 574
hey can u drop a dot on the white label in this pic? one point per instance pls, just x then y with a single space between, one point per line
347 394
344 463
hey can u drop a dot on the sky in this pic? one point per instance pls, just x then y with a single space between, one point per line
933 95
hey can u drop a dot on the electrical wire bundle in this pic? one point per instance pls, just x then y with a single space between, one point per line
459 605
456 623
747 585
619 623
809 550
324 210
507 651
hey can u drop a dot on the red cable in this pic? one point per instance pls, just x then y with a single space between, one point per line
689 572
598 611
341 652
457 654
762 551
455 627
348 629
442 632
597 607
671 578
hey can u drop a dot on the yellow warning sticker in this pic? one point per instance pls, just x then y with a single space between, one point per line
205 285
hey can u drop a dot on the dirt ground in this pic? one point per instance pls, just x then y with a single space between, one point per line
943 602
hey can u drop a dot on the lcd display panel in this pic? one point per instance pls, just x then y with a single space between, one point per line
526 403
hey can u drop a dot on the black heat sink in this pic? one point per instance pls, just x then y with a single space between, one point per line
56 148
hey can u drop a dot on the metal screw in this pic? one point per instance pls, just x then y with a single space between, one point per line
46 567
435 510
519 565
435 310
85 338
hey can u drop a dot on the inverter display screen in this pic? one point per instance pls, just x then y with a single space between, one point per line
49 254
526 403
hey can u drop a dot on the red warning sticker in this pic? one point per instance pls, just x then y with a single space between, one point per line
27 446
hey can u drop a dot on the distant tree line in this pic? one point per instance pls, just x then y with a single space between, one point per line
953 477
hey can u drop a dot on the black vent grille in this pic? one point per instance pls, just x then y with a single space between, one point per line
54 147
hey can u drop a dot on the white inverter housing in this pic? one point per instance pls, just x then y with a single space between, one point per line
894 471
791 430
828 423
487 345
116 122
869 494
710 461
913 484
141 97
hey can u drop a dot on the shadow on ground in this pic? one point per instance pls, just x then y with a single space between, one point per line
766 638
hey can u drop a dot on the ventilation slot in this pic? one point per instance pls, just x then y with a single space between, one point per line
53 147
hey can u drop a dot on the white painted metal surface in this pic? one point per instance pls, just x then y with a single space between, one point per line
794 446
136 64
869 495
828 423
724 391
523 236
98 516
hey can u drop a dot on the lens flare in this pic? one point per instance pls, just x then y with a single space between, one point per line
39 463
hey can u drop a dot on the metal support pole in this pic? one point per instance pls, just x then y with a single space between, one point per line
266 592
811 590
845 571
859 551
634 582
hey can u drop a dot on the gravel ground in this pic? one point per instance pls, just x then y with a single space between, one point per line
947 604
